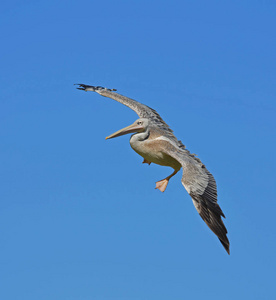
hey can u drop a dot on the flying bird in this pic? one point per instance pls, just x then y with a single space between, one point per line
155 142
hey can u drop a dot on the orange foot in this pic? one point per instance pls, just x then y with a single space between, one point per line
146 162
162 185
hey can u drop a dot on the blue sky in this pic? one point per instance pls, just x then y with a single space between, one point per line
79 216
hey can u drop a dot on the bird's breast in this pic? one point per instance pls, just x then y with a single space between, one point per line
154 151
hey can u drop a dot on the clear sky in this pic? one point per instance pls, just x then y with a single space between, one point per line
79 216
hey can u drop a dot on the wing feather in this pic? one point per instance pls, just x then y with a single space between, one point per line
142 110
201 186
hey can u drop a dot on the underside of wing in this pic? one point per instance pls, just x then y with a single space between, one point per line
210 211
142 110
201 186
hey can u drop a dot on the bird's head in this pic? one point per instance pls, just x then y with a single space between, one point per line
138 126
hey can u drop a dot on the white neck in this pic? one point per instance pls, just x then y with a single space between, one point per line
139 137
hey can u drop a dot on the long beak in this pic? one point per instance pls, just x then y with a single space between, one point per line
129 129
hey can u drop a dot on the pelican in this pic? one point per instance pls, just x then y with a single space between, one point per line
155 142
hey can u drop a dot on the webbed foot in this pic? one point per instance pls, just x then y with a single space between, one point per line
162 185
146 162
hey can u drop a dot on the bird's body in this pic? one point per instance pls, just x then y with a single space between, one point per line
150 147
156 143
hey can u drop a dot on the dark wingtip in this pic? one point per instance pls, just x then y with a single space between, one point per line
86 87
225 245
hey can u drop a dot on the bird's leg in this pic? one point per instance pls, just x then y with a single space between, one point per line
146 162
161 185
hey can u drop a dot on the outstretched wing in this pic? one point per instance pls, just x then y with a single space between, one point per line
201 186
142 110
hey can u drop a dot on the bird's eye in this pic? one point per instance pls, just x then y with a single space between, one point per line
139 123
